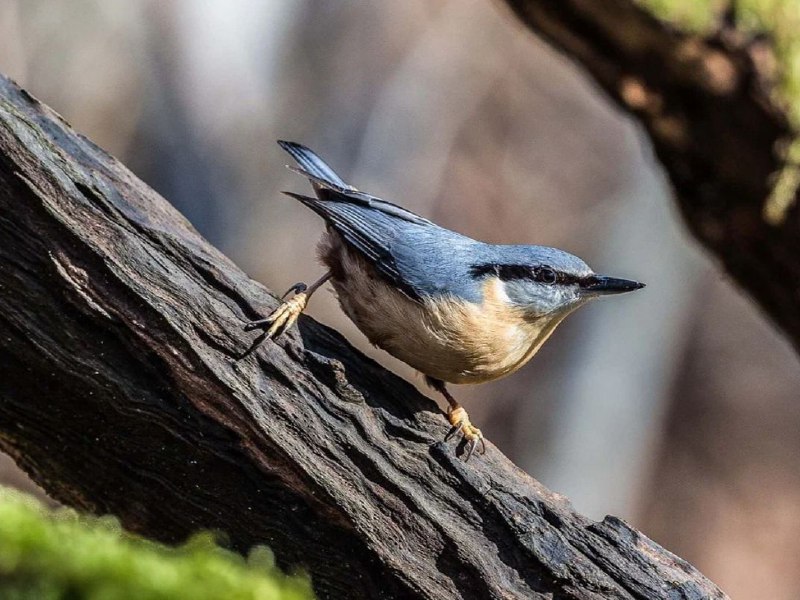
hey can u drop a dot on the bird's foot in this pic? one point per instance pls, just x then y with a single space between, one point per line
285 315
280 319
473 437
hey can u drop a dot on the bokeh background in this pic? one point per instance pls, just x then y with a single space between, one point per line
675 408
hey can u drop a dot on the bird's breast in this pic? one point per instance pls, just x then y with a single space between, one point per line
443 337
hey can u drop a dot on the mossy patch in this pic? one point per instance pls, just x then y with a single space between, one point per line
59 554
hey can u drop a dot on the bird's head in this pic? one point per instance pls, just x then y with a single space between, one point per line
546 282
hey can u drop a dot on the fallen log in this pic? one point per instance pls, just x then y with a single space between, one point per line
120 394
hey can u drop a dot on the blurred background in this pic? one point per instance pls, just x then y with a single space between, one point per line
675 408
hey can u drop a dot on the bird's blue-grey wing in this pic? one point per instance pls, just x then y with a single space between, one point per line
372 233
409 251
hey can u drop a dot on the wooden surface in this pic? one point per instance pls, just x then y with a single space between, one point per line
119 328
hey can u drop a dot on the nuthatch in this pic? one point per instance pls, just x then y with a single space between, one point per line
456 309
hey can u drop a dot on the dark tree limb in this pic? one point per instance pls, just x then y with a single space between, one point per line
706 104
119 328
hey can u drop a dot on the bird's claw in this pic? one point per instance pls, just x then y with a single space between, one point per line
459 419
297 288
282 317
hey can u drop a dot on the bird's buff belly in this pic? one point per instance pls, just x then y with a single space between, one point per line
446 338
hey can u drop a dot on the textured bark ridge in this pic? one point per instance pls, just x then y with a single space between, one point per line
120 394
706 106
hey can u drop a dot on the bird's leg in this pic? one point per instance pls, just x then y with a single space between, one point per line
286 314
459 419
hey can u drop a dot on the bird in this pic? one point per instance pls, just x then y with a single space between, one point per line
458 310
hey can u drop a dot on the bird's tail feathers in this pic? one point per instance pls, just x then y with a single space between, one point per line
313 203
304 199
313 167
318 181
331 188
330 211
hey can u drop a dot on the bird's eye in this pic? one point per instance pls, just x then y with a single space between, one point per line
546 275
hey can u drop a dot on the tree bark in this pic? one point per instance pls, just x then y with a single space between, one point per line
707 107
120 394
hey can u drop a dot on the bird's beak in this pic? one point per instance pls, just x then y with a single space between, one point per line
597 284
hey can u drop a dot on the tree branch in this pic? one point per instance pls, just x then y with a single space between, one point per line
714 126
119 325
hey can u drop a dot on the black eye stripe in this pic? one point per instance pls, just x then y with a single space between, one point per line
506 272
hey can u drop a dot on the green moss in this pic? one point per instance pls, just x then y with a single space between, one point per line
780 19
697 15
60 555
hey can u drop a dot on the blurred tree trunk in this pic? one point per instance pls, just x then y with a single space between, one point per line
706 106
724 486
121 393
